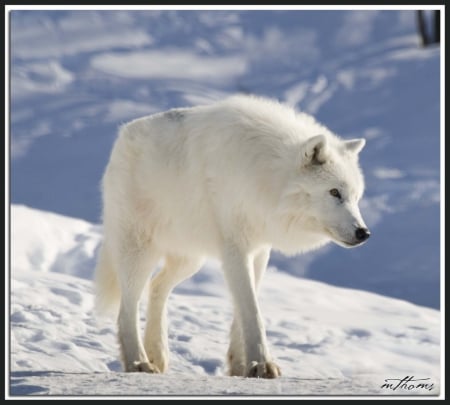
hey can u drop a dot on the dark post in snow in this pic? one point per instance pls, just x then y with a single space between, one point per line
431 36
437 26
422 27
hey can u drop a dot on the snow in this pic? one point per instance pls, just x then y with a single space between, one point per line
356 28
72 33
387 173
75 76
40 77
37 244
165 64
326 339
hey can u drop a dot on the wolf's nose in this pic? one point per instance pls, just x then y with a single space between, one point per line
361 234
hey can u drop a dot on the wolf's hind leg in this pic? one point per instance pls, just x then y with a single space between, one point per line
135 267
175 270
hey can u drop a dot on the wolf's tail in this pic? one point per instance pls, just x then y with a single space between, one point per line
107 290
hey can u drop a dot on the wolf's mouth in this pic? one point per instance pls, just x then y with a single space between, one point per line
349 244
343 243
338 240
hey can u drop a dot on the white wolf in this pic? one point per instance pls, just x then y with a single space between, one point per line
230 180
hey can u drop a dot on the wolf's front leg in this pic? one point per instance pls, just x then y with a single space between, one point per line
238 269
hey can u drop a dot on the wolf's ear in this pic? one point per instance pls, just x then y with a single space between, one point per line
355 145
315 150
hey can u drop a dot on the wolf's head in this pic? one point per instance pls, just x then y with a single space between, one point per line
335 185
323 194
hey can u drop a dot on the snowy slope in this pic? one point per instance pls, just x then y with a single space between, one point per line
327 340
77 75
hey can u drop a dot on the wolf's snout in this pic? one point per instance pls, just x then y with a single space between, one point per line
362 234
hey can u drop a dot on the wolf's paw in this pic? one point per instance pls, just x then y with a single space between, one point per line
267 369
143 367
236 363
159 357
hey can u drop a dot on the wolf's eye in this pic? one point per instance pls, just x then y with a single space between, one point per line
335 193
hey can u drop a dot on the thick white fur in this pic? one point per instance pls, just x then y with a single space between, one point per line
230 180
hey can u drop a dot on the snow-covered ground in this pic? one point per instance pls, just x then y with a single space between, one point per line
75 76
327 340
